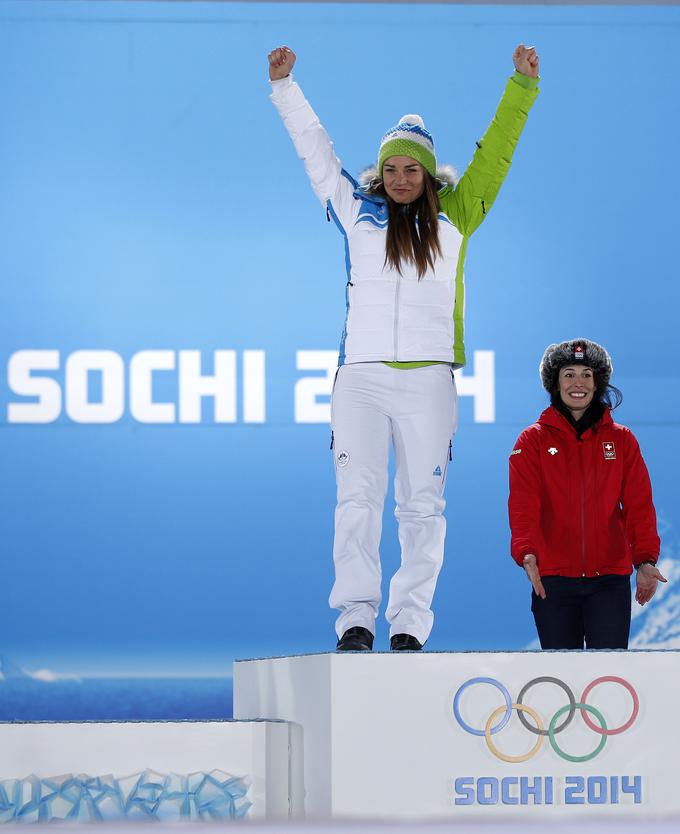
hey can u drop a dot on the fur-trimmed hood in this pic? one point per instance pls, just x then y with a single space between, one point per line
446 174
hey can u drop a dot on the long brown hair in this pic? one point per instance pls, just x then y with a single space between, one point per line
412 228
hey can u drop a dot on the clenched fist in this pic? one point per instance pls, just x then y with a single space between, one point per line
525 60
281 61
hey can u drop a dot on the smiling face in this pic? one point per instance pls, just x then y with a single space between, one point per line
403 178
577 388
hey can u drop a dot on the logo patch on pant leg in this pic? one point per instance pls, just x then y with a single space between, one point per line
437 471
343 458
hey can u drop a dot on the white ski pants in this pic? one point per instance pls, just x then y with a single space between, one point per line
416 410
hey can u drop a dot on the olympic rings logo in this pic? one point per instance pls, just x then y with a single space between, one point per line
503 714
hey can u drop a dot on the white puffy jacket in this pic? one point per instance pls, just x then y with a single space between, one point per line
394 316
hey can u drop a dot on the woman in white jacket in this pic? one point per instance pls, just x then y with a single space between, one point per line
405 234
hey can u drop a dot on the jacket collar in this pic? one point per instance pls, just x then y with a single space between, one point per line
555 419
361 193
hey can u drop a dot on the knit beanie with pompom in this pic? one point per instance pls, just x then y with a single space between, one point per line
409 138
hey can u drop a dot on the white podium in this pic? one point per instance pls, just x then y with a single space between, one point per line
439 735
141 770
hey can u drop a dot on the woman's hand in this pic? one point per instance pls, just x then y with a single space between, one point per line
648 577
525 60
531 567
281 61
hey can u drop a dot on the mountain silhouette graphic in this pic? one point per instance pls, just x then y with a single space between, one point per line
10 670
657 624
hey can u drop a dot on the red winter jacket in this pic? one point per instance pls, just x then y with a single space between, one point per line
583 507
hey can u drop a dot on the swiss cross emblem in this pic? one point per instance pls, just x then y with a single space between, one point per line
609 450
579 352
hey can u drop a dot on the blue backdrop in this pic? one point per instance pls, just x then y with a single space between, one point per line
151 201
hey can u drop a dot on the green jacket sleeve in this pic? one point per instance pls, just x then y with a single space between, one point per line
467 204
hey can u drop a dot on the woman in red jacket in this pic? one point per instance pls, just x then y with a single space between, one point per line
580 505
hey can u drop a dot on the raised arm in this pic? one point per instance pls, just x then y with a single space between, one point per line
311 141
470 201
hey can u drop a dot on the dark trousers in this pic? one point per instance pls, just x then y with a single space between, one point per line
591 609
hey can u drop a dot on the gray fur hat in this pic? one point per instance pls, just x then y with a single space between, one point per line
574 352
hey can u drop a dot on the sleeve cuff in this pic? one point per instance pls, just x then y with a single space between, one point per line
520 559
281 83
649 560
526 81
